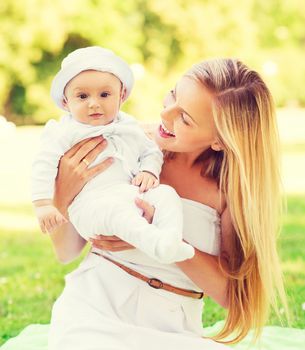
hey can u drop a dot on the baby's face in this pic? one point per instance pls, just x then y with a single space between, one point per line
93 97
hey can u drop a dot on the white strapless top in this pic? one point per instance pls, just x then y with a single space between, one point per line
201 230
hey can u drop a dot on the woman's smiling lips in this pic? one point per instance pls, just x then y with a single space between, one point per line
164 132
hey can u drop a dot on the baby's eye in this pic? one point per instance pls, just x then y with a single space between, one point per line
105 94
82 96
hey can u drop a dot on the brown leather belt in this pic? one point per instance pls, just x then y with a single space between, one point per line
155 282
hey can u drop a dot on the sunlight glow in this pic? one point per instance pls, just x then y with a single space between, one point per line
270 68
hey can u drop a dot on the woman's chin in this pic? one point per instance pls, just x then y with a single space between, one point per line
165 144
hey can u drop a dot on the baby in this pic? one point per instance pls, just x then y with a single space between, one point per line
91 86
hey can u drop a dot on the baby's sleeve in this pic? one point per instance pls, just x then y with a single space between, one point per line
151 157
148 155
44 166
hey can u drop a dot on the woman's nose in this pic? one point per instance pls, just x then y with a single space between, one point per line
168 112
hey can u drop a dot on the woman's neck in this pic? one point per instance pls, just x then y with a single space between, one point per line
189 160
189 182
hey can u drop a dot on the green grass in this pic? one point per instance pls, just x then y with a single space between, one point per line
31 278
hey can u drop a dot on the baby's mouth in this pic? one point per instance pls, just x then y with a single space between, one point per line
95 115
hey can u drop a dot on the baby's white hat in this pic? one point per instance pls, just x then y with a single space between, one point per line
95 58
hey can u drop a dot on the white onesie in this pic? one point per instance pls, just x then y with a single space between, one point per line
106 204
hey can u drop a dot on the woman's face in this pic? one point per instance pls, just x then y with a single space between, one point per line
187 123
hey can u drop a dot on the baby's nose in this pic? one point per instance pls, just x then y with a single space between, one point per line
93 102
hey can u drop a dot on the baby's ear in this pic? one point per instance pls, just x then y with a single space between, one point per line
123 94
65 104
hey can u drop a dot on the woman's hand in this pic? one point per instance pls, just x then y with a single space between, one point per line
74 172
115 244
148 210
111 243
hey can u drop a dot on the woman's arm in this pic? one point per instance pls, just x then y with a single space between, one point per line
204 270
67 243
72 175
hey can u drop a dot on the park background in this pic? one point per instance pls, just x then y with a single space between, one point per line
160 39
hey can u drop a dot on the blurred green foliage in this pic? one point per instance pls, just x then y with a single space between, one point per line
163 37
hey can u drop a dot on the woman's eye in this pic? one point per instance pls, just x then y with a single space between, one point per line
105 94
183 119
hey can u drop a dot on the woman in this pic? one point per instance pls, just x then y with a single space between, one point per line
218 131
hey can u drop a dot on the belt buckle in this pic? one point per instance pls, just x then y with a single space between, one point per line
155 283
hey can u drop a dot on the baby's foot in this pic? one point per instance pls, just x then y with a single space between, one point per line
170 252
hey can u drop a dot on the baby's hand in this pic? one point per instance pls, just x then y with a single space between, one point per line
49 218
145 181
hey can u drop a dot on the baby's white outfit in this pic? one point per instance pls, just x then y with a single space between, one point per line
106 204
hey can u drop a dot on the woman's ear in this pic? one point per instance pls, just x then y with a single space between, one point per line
216 146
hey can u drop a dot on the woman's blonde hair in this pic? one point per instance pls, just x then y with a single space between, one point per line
247 170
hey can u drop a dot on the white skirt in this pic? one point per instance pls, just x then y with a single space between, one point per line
104 308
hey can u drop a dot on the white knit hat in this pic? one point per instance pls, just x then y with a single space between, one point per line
92 57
